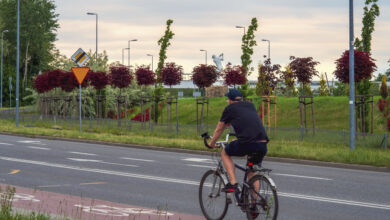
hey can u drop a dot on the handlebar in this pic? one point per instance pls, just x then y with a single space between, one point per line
206 136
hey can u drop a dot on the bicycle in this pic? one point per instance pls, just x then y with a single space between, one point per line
256 197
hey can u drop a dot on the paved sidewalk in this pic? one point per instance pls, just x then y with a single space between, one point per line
76 207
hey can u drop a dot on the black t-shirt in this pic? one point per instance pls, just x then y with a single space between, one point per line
245 121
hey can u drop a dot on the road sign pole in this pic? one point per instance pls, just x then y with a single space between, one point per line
80 105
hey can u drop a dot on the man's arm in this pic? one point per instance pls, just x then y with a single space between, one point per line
217 133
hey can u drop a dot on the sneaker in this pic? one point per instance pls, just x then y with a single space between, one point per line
254 212
229 188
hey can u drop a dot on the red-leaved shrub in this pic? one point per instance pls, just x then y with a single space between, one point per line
364 66
68 82
171 74
145 76
234 75
99 80
204 75
120 76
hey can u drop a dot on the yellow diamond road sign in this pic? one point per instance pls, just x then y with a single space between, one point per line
80 57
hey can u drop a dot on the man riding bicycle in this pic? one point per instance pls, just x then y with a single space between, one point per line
251 136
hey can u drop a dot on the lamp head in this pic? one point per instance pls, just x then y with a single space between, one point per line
239 26
91 13
5 31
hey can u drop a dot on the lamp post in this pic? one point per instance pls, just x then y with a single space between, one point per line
1 75
269 48
150 55
241 27
351 79
17 64
205 54
123 55
129 53
92 13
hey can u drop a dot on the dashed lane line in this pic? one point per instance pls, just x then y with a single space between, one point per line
144 160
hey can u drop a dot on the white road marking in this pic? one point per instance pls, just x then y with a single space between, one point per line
196 183
276 174
6 144
121 211
81 153
298 176
99 161
129 158
338 201
32 142
202 166
38 148
200 160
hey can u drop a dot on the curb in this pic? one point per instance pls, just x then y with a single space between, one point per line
198 152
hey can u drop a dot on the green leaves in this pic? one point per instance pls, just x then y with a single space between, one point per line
164 43
248 42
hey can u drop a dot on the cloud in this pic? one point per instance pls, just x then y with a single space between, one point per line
300 28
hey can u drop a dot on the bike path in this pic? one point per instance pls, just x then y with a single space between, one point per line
77 207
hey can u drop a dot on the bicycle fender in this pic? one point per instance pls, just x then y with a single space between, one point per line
273 185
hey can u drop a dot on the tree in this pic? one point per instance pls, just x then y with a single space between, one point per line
234 75
120 76
145 76
289 81
268 79
364 66
164 44
324 91
303 69
171 74
384 90
368 28
99 80
38 26
68 82
248 42
204 75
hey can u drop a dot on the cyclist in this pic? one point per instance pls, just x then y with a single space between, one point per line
251 136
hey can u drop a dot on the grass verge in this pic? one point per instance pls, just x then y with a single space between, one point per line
276 148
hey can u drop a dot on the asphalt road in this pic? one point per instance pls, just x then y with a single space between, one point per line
158 179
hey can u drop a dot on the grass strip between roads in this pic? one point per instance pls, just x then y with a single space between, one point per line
276 148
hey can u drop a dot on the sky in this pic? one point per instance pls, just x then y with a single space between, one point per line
300 28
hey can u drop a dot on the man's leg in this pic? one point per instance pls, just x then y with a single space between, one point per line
229 166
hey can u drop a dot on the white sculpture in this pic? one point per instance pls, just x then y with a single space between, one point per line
218 61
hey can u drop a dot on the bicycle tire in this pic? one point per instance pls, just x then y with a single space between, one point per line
261 202
210 190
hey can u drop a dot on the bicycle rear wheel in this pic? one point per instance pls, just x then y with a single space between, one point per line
260 199
213 201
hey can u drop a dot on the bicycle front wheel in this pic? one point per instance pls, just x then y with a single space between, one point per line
260 199
213 201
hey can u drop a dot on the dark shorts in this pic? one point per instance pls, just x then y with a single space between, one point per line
236 149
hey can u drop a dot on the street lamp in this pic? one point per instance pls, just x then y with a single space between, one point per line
1 76
129 52
205 54
92 13
241 27
150 55
123 55
269 48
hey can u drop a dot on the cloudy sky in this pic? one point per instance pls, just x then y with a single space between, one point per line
300 27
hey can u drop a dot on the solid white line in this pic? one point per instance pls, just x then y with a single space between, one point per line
195 165
81 153
276 174
298 176
38 148
99 161
196 183
199 160
6 144
129 158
